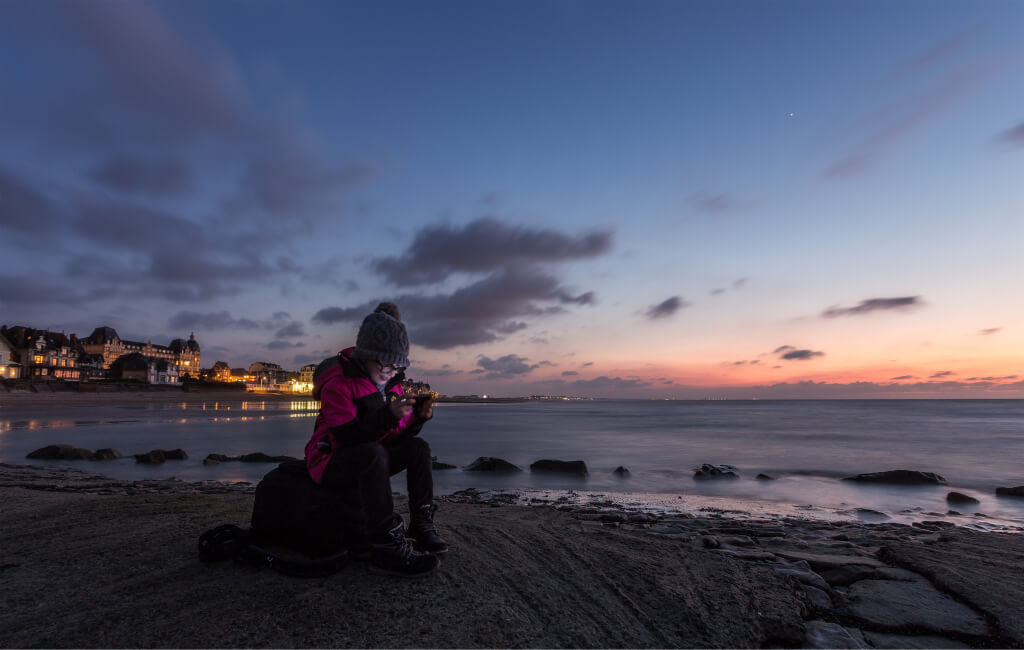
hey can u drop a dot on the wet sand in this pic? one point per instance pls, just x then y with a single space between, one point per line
87 561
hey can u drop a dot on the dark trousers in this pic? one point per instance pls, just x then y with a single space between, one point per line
365 471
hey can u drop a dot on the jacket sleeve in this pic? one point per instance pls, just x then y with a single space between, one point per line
346 424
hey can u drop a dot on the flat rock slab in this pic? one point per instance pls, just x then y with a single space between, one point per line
880 640
983 569
825 561
898 605
822 634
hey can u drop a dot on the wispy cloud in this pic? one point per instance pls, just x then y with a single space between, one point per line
990 330
872 305
941 374
1013 136
792 353
666 308
510 365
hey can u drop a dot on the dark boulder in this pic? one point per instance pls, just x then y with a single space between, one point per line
154 457
621 472
958 497
106 454
577 467
489 464
1010 491
260 457
435 464
175 454
716 471
764 477
899 477
60 452
218 458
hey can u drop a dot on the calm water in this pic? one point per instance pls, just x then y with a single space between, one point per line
976 445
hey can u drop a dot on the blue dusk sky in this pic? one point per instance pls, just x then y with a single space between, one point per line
665 199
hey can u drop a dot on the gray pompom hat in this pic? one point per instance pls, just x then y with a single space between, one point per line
382 338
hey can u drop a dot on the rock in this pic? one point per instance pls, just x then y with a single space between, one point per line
716 471
154 457
60 452
211 461
435 464
175 454
489 464
765 477
218 458
822 634
106 454
577 467
823 562
621 472
899 477
871 515
260 457
958 497
818 599
881 640
896 605
1010 491
842 576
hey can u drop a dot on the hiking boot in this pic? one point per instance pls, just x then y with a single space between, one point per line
398 557
423 533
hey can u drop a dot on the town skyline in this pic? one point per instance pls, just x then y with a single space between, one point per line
604 199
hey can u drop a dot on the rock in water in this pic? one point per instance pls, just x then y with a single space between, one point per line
577 467
175 454
154 457
60 452
899 477
958 497
489 464
436 464
765 477
716 471
260 457
1011 491
106 454
621 472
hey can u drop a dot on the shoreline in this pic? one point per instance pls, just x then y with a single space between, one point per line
93 562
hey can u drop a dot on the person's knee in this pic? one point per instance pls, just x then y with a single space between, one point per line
419 447
370 457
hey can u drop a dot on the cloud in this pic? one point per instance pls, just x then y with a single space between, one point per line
30 290
569 373
902 377
605 383
941 374
484 245
791 353
873 304
291 330
1013 136
715 203
1003 378
737 284
666 308
482 312
220 320
989 331
284 345
927 91
510 365
25 209
163 177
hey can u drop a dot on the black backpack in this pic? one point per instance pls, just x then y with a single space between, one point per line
291 511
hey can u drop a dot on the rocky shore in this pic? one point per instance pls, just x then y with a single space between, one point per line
88 561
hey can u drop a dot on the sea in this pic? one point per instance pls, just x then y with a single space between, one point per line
805 447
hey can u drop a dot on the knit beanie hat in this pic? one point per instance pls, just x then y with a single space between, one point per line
382 338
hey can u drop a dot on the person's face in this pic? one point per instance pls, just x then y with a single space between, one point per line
380 373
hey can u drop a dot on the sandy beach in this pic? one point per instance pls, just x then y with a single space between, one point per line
88 561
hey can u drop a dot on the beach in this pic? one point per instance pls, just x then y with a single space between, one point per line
88 561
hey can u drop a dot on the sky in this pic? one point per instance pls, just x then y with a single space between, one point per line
646 199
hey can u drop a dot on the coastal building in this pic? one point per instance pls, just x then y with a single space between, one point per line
138 367
306 373
9 368
220 371
43 355
265 374
183 354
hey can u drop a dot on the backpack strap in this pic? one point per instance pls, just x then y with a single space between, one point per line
230 541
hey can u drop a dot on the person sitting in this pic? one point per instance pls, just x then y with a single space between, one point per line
367 431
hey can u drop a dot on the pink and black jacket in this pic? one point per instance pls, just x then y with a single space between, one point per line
352 411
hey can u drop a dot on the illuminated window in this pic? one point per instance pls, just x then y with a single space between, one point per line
43 371
38 359
71 362
63 363
53 361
